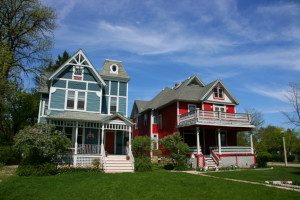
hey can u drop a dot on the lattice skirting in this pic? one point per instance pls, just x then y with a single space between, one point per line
239 161
85 160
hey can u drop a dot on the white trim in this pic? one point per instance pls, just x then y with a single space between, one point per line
39 115
112 71
50 96
83 81
82 75
126 114
219 106
76 100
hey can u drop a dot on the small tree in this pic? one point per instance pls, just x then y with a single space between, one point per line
141 146
40 144
178 150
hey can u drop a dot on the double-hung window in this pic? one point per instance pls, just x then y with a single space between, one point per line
76 100
218 93
113 105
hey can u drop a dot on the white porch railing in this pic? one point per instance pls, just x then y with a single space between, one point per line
88 149
203 117
232 150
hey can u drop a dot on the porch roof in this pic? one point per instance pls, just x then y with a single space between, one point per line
76 115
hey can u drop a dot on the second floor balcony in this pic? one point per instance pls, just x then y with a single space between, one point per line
213 118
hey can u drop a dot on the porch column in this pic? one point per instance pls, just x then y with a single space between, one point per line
198 141
219 141
98 147
251 142
76 145
102 140
129 140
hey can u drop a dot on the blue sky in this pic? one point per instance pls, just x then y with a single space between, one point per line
252 46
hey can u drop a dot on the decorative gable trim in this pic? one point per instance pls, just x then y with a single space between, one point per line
81 60
117 117
224 89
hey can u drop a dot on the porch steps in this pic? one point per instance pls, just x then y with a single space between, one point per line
210 163
118 164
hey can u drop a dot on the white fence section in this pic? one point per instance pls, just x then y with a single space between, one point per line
86 160
88 149
215 118
233 149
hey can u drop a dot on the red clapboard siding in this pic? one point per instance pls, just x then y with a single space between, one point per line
230 108
208 106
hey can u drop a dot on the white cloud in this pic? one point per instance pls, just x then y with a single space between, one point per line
278 94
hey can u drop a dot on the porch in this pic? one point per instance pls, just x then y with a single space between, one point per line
97 140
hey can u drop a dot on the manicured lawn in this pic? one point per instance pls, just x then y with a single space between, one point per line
152 185
276 174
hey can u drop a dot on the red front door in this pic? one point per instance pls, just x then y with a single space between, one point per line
110 142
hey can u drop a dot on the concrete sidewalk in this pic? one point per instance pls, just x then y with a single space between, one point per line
281 164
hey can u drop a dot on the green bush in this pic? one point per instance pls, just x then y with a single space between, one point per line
40 144
262 159
178 150
96 163
142 164
141 146
37 170
291 158
8 155
157 152
169 166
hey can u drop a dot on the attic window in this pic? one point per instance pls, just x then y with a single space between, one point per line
77 73
218 93
114 69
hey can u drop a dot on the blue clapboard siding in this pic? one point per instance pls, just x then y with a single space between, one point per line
104 105
59 83
93 102
94 87
106 88
77 85
67 73
114 88
88 76
58 99
123 89
122 105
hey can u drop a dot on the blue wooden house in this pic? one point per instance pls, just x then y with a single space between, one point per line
91 108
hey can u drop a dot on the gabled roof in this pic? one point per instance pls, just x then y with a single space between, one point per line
192 89
117 115
79 58
105 72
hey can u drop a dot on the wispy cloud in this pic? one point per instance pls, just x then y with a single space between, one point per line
278 94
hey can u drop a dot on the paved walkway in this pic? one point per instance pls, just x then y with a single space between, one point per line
241 181
7 171
282 164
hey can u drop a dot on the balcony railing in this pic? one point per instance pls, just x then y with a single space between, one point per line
232 150
203 117
88 149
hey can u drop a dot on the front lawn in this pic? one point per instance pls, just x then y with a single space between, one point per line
275 174
151 185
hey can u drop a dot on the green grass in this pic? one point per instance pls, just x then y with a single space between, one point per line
151 185
276 174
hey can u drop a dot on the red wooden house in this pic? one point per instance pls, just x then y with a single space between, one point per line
206 118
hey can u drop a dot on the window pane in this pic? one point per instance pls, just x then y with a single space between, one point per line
113 105
78 71
70 100
81 100
220 93
46 106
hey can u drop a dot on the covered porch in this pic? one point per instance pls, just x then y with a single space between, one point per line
95 137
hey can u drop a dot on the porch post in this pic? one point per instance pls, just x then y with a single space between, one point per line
98 147
102 140
129 140
251 142
219 141
76 145
198 141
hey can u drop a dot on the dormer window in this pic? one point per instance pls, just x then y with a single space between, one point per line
218 93
77 73
114 69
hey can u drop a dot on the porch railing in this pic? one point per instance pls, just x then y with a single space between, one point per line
88 149
212 117
232 150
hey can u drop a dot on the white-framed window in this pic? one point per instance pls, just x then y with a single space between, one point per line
220 108
75 100
78 73
191 108
145 119
218 93
159 122
155 141
114 69
113 105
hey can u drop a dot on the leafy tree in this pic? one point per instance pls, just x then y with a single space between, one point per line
141 146
25 29
41 144
177 148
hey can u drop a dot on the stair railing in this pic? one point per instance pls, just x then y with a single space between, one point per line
215 157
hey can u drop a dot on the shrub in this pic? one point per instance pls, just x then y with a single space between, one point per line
263 158
37 170
178 149
9 156
75 170
40 144
141 146
169 166
96 163
291 158
142 164
156 152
